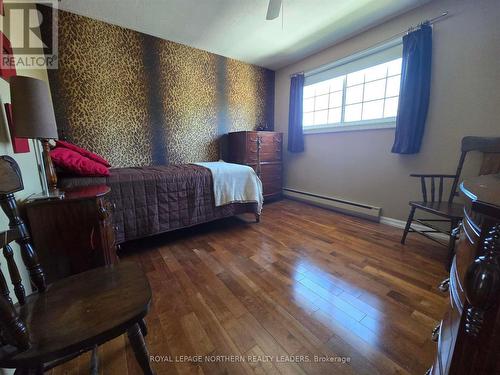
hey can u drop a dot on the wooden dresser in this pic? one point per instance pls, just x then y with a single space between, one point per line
469 334
72 234
262 150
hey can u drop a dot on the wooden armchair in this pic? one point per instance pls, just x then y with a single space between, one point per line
71 316
449 211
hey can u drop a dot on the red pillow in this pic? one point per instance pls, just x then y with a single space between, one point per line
84 152
78 164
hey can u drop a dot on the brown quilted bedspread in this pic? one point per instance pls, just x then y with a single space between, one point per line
152 200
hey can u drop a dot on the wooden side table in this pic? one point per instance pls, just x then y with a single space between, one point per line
73 234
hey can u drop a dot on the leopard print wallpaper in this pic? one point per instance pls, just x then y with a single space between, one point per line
140 100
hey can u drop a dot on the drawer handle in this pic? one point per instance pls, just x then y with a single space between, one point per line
445 285
92 238
103 212
456 231
435 333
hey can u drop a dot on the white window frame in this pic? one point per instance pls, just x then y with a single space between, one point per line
382 123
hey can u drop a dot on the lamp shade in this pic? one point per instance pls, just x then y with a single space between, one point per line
32 110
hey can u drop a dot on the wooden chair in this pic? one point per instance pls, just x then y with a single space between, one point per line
71 316
449 211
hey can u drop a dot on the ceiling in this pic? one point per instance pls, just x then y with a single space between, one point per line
238 28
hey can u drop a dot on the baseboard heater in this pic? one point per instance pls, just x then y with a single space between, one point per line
336 204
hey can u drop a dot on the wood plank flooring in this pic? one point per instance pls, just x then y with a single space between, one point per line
306 291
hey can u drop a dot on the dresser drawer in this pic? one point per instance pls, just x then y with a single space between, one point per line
446 342
465 254
271 188
270 172
271 140
270 147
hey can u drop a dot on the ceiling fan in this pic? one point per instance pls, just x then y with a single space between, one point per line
273 9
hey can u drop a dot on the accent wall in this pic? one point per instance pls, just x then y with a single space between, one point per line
140 100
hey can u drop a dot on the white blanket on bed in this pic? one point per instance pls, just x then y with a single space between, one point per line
235 183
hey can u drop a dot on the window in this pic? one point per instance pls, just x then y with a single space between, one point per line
346 97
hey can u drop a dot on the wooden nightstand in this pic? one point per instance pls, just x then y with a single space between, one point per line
73 234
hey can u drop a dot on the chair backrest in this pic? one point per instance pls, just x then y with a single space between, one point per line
489 147
12 328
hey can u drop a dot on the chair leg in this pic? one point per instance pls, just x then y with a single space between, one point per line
257 218
94 362
408 224
139 346
451 243
143 327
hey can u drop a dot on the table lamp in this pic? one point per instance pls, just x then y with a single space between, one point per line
33 117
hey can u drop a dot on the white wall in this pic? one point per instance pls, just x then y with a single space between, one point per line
27 162
28 165
465 100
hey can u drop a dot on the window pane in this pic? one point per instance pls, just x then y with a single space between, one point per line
376 72
322 88
320 117
308 119
374 90
391 107
335 99
355 78
352 112
308 105
321 102
334 115
354 94
308 91
394 67
373 110
364 95
337 84
393 86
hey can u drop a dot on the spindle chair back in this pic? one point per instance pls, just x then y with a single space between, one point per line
433 192
34 331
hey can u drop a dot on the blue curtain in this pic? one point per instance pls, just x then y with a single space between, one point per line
295 132
414 92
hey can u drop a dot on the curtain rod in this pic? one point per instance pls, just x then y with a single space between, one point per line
411 28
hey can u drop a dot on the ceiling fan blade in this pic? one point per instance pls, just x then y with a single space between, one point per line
273 9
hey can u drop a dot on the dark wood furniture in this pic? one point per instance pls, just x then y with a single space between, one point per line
64 319
82 218
261 150
448 211
469 334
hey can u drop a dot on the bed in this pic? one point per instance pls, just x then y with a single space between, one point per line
158 199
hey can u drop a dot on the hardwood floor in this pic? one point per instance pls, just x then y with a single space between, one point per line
304 282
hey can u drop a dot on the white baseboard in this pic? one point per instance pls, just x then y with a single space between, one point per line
336 204
355 209
401 224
